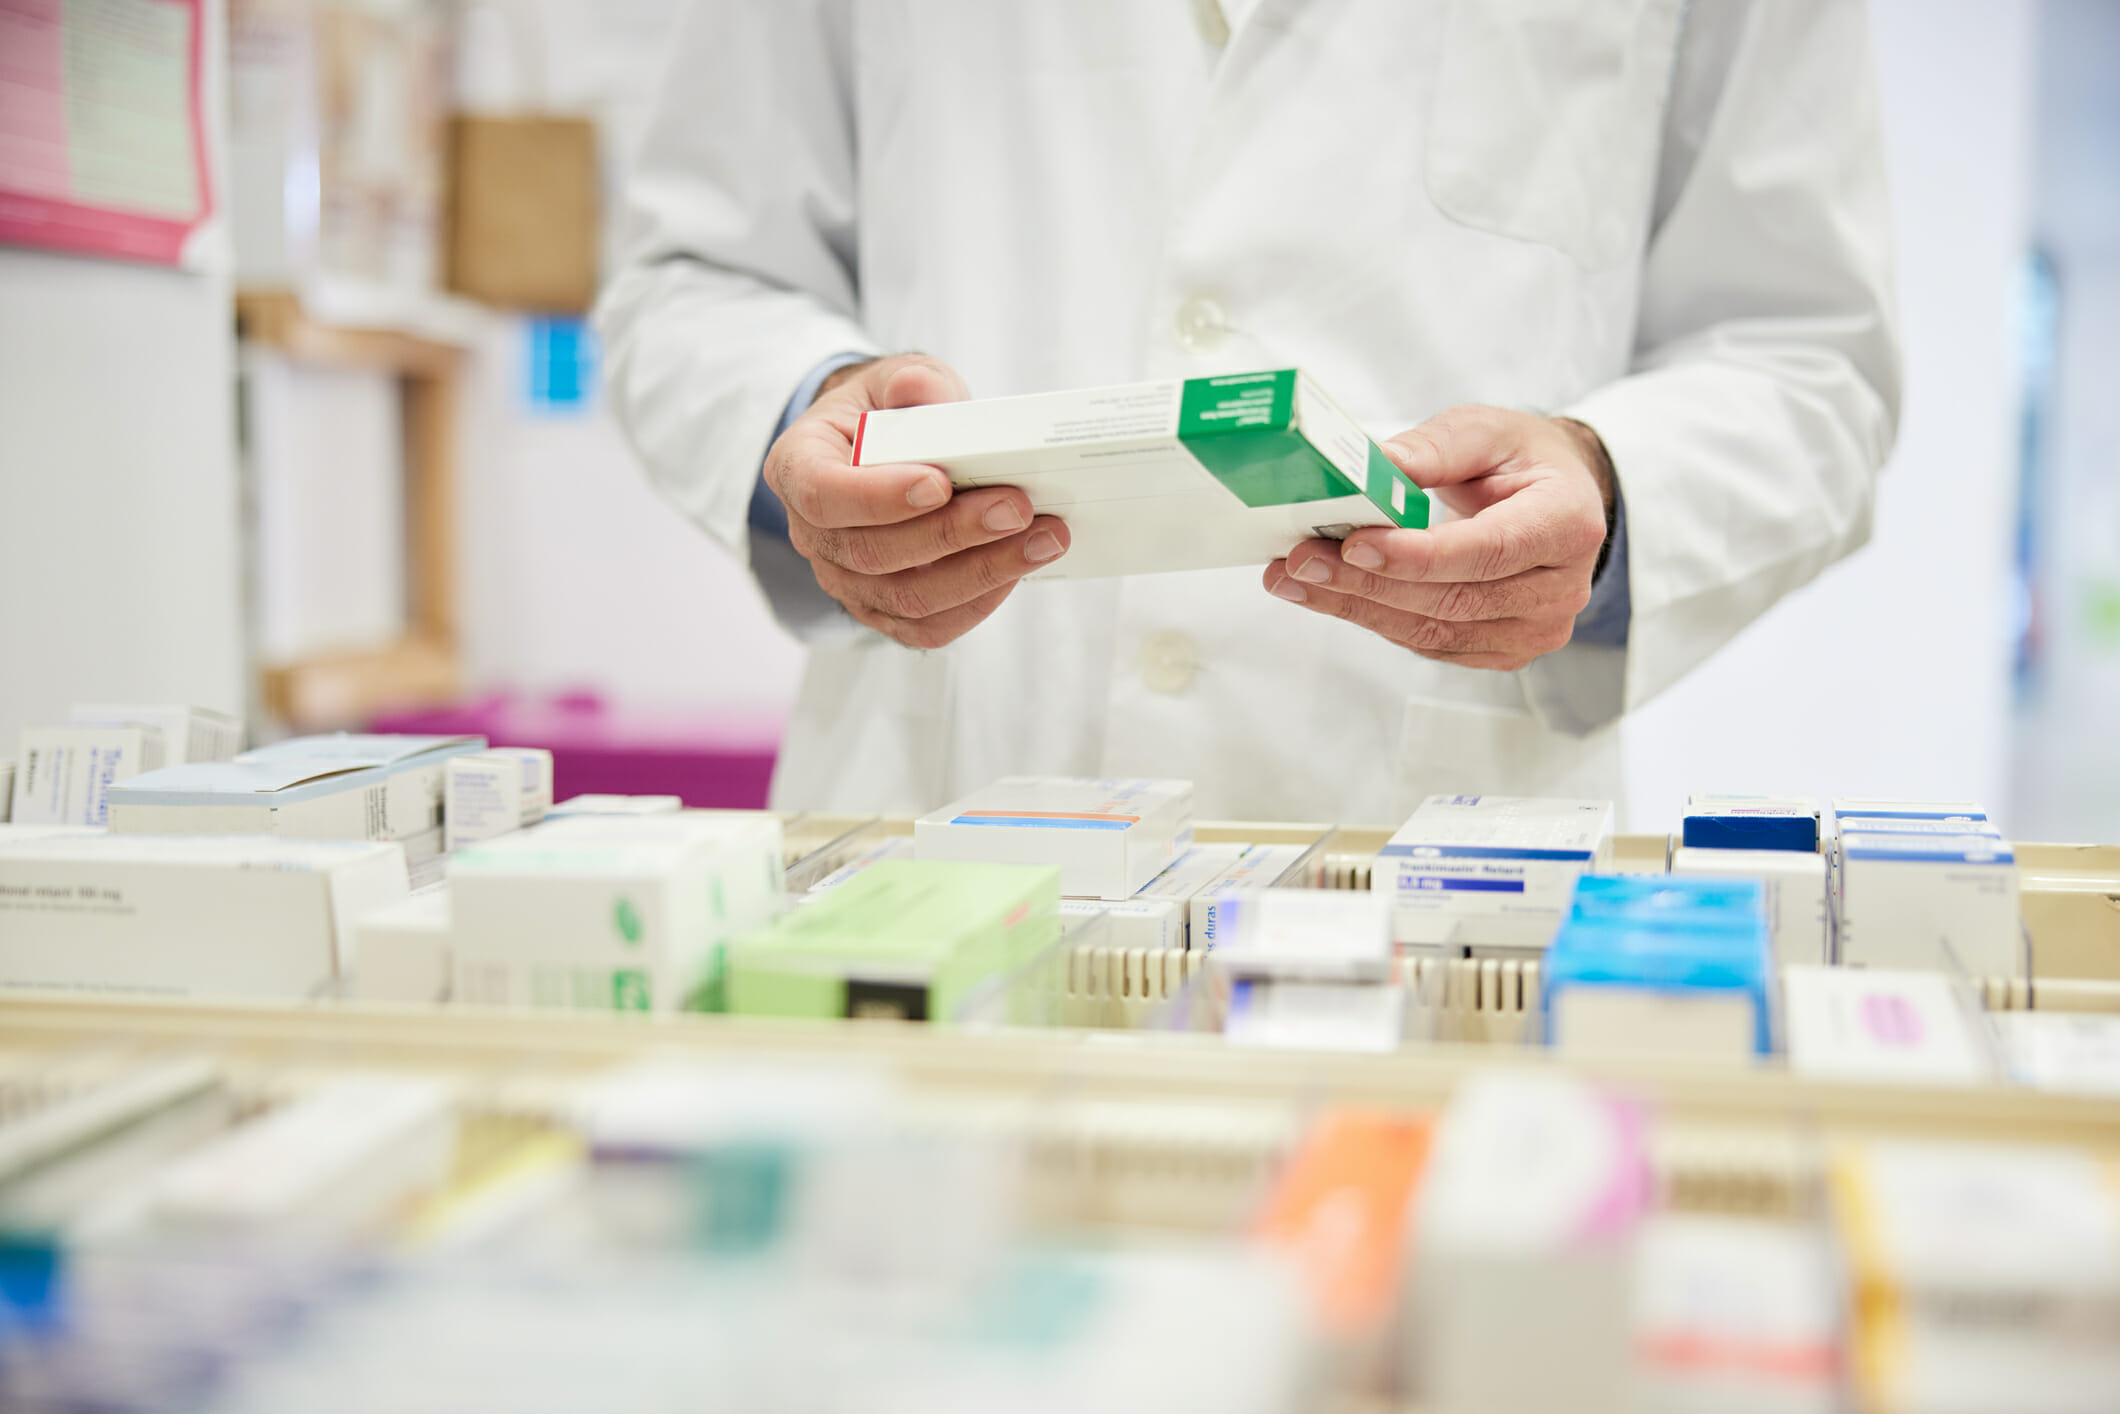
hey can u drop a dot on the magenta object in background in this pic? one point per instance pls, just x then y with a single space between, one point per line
711 760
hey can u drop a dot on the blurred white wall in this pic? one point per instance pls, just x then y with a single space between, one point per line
1890 674
1887 676
119 560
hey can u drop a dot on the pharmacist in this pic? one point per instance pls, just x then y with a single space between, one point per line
1613 278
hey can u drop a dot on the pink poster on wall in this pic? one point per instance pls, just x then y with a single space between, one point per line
102 132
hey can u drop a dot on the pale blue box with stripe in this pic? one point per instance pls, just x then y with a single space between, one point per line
1923 900
1490 875
1108 837
1671 965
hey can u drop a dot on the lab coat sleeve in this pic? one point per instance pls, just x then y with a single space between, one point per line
736 275
1764 392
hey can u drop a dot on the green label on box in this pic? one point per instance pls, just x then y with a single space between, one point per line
1242 428
629 990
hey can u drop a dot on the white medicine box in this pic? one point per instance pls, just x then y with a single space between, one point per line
1108 837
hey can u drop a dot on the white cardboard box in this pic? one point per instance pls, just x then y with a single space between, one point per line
1918 900
1280 1014
1490 871
1197 868
188 733
415 767
1305 935
339 787
492 792
188 915
2074 1052
341 1159
1261 866
1230 469
402 952
64 775
1795 885
1524 1270
1108 837
1882 1026
626 913
1152 923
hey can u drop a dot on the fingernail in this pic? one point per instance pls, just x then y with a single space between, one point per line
1313 571
1041 547
1002 517
927 493
1363 556
1291 591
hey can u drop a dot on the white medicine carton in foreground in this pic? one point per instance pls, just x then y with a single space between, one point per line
1108 837
1233 469
1490 872
219 916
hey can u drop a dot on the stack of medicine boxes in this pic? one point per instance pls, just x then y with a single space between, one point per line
1925 884
1774 841
1669 965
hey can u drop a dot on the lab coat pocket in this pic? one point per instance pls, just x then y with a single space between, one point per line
1547 118
1464 748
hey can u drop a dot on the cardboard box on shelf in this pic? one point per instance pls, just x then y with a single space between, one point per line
1795 885
64 775
493 792
403 952
910 939
1750 822
188 733
1108 838
1930 900
612 912
206 916
1490 872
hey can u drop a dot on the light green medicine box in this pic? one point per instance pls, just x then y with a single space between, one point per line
907 939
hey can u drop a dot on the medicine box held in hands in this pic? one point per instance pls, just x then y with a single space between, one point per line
1234 469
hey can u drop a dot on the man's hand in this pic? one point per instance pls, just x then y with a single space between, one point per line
1497 589
891 543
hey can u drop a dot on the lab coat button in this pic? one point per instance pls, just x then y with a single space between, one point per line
1200 325
1168 663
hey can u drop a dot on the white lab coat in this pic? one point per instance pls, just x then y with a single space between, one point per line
1666 219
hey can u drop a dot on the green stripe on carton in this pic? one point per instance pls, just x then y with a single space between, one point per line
1242 428
1394 494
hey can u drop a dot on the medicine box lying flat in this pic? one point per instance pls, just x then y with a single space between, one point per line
188 915
1185 474
1108 837
909 940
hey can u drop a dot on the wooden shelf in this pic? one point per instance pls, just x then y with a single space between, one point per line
423 667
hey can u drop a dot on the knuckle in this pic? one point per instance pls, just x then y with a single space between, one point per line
861 553
1578 597
903 597
1459 601
1431 636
